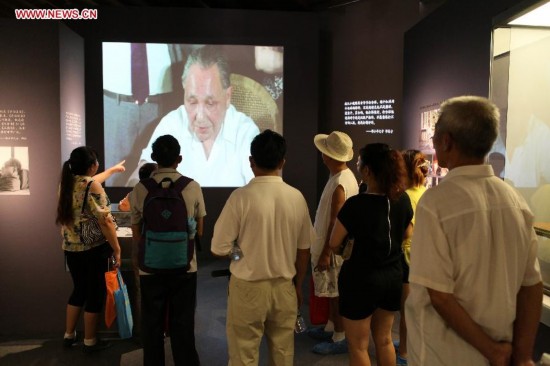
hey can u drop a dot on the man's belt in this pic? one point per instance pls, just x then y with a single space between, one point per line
130 99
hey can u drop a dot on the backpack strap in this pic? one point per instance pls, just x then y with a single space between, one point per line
181 183
149 183
86 196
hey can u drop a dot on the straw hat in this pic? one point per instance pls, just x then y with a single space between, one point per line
337 145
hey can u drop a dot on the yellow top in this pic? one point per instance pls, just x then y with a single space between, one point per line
414 194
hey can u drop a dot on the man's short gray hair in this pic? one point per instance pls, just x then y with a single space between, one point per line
472 122
206 57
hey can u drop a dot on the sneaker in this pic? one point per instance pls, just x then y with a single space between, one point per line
319 334
401 361
98 346
69 342
331 348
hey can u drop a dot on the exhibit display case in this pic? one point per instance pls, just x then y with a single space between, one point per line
520 85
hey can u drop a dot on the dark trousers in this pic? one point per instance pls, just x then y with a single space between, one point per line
176 294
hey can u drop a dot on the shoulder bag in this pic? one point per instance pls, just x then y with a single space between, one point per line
90 231
346 247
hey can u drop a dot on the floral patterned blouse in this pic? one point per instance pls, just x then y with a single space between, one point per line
98 204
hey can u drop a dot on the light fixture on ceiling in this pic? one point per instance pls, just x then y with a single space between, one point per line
538 17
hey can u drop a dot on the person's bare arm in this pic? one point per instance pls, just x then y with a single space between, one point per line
302 263
337 235
528 312
109 231
200 226
408 232
446 305
338 199
103 176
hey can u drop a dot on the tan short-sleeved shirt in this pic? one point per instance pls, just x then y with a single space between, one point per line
270 220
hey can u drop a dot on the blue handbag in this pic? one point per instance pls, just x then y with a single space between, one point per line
125 321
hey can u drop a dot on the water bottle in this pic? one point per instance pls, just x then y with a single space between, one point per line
300 326
236 252
544 360
191 227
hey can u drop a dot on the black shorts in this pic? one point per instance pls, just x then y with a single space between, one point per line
360 295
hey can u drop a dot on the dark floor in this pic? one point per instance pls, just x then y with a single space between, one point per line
210 332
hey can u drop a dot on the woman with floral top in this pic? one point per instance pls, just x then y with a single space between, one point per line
87 262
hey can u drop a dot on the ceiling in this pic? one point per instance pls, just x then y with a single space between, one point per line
7 7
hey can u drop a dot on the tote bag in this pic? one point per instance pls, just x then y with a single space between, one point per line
111 282
125 321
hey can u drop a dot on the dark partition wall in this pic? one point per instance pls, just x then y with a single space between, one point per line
71 82
363 62
33 282
445 55
361 72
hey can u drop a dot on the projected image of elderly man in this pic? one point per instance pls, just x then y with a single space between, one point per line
214 137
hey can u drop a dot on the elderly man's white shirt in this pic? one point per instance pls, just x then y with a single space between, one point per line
473 238
227 165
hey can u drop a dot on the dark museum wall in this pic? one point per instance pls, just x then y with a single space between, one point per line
362 60
33 282
446 55
362 48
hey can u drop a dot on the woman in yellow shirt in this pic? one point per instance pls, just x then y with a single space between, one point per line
418 169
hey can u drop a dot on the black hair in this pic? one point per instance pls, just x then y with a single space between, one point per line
166 151
81 159
387 166
268 149
146 170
